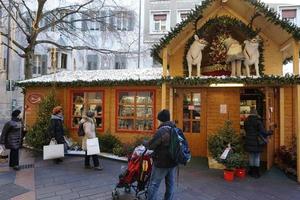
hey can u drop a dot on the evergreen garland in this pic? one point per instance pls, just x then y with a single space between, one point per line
196 14
266 80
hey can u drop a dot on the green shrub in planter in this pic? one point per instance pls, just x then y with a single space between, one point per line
37 136
108 142
118 150
219 141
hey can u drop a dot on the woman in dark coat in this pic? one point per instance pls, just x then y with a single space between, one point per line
56 129
254 127
12 136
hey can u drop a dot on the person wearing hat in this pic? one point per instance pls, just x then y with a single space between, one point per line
12 136
56 128
164 167
89 128
254 127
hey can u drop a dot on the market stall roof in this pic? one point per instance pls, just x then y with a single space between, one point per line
279 31
146 76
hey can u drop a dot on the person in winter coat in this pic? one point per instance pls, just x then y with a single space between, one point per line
89 128
12 136
254 127
56 128
164 167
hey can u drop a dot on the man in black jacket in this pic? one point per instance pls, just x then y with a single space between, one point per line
11 138
164 167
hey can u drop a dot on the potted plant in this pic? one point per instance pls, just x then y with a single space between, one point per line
219 141
240 165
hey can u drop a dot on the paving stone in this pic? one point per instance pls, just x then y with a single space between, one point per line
10 190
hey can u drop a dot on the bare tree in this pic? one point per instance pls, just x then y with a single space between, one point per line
31 24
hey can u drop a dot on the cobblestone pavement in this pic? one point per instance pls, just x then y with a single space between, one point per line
70 180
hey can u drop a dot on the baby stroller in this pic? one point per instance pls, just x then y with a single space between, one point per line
137 174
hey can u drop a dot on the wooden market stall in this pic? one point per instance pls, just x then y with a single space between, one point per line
230 35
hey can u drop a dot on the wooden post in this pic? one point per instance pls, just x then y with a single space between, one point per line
171 104
281 112
164 85
297 104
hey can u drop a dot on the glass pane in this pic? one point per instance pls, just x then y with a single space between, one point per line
94 97
196 112
186 126
143 125
126 97
141 111
126 111
197 99
186 99
144 97
196 126
186 112
125 124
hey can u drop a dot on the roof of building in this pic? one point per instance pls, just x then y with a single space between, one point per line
271 23
97 77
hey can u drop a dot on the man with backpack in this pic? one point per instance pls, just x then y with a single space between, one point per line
164 166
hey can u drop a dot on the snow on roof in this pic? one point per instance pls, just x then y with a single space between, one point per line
98 75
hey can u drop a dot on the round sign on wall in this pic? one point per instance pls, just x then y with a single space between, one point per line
34 98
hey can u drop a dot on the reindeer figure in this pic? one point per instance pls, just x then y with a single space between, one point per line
194 55
251 54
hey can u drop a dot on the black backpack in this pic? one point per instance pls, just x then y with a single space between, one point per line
179 148
80 131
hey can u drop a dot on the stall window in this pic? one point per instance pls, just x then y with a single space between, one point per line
87 101
191 112
135 110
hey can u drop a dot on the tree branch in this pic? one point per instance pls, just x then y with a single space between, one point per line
13 41
21 55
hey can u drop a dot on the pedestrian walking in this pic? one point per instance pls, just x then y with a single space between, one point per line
12 136
254 129
164 167
89 128
56 128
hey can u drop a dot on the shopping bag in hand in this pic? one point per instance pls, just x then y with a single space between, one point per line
92 146
53 150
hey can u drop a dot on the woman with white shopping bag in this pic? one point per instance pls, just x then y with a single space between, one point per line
56 129
89 128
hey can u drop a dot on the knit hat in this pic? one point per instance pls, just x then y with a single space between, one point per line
253 111
15 113
90 114
163 115
56 110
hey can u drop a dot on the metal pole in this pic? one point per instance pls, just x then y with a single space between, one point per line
139 44
8 42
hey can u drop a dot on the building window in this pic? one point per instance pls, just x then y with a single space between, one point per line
39 65
191 112
160 22
63 63
182 15
92 62
135 110
120 61
106 61
289 15
87 101
124 20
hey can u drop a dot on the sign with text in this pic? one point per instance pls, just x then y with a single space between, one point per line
34 98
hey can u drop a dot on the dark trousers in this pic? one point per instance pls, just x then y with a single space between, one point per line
87 160
14 157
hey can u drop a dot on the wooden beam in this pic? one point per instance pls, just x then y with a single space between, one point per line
295 57
171 103
164 85
281 113
297 129
286 44
165 61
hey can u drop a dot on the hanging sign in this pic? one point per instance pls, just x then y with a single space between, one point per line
191 107
34 98
223 108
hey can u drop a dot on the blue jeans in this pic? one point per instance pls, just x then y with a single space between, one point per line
156 177
254 159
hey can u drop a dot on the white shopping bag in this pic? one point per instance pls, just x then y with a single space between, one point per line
53 151
92 146
225 152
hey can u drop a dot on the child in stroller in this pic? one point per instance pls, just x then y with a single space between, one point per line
137 174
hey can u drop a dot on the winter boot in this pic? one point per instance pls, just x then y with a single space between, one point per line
251 171
256 172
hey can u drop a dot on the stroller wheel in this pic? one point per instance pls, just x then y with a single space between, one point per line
115 195
127 189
